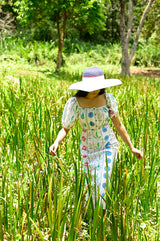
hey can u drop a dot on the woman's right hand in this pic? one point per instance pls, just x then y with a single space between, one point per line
61 135
53 148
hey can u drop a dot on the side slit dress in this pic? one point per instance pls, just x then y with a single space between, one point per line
98 144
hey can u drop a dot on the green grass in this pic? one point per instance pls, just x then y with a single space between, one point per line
43 198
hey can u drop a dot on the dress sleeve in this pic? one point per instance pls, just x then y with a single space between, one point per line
112 105
70 113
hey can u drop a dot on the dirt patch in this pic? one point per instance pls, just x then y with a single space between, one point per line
153 73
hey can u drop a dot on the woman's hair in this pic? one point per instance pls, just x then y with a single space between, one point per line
82 93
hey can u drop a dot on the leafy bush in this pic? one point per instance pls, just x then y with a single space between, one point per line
31 51
147 54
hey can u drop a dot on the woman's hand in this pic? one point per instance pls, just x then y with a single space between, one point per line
124 135
61 135
137 153
53 148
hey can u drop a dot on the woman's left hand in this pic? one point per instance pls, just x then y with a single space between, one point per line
137 153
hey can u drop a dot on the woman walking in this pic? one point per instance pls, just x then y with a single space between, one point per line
93 107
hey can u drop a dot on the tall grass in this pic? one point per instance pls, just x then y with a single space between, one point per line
43 198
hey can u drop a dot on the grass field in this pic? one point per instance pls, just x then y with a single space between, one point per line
43 198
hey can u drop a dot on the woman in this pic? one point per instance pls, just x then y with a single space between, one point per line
93 108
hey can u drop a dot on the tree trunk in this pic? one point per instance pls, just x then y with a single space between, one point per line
59 57
61 27
125 62
139 29
126 33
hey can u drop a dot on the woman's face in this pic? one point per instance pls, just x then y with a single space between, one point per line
93 94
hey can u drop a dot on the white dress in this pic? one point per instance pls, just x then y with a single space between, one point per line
99 145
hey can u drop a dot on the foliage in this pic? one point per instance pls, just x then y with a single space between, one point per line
152 25
92 17
32 52
87 13
112 31
151 58
43 26
58 13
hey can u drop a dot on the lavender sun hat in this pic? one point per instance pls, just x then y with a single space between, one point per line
93 79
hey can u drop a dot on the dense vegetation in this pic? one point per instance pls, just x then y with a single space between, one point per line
23 49
98 21
42 198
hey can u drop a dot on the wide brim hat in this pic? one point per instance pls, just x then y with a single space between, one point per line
93 79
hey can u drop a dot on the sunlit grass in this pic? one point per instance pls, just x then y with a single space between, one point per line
43 198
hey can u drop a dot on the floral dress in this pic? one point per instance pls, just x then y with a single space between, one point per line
99 145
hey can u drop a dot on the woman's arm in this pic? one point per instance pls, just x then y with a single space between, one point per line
124 135
61 135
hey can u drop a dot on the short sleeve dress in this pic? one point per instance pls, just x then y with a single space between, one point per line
98 144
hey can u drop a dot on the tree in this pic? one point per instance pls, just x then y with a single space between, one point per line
126 31
152 23
112 31
6 23
60 12
7 18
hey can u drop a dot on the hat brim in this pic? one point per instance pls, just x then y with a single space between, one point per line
101 84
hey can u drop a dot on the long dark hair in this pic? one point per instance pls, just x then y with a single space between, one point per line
82 93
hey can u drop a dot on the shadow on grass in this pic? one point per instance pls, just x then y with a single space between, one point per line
62 74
